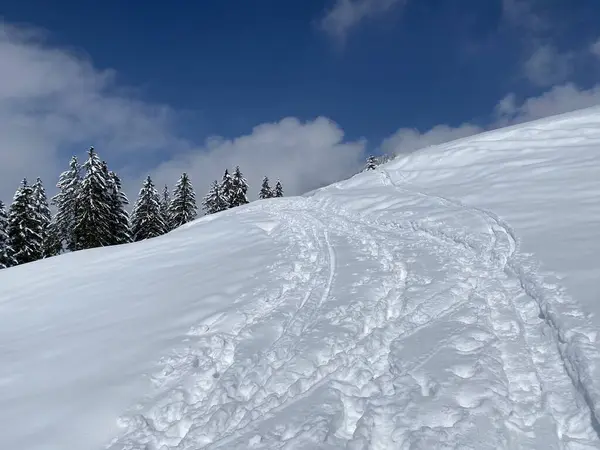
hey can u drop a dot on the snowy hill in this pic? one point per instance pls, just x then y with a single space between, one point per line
447 300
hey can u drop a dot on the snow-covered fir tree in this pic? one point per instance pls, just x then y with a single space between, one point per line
146 218
165 201
278 190
24 228
214 201
372 163
40 202
66 204
6 259
239 195
183 207
265 189
52 240
119 222
93 214
227 187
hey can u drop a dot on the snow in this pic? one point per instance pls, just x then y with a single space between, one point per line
445 300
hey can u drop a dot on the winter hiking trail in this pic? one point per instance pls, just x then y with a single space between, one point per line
546 348
574 346
374 330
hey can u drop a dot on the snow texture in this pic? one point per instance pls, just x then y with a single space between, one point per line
445 300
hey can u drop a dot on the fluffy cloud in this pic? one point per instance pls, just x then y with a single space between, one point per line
542 64
407 140
595 48
347 14
53 101
508 111
546 66
521 14
304 155
558 100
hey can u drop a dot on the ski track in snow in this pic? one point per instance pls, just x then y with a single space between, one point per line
574 348
378 332
545 383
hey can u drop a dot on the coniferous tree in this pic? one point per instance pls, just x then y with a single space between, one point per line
24 228
240 189
52 241
165 201
265 190
214 200
66 204
371 163
119 222
278 190
227 188
93 215
183 207
6 259
40 202
146 219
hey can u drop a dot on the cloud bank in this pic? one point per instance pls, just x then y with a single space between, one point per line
407 140
508 111
305 155
53 101
546 66
558 100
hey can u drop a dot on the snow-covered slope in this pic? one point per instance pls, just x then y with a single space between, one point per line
446 300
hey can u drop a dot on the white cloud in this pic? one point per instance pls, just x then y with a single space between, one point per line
52 101
304 155
546 66
407 140
347 14
595 48
558 100
543 65
507 106
520 13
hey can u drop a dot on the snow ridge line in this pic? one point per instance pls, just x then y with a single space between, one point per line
575 344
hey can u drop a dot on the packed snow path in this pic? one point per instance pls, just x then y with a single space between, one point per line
374 330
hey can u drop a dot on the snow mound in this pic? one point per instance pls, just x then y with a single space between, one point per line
446 300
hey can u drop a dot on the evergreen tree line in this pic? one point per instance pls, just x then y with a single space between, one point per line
91 211
232 191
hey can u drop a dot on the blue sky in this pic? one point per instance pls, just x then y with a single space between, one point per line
387 74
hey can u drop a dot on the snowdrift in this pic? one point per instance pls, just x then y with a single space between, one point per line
446 300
